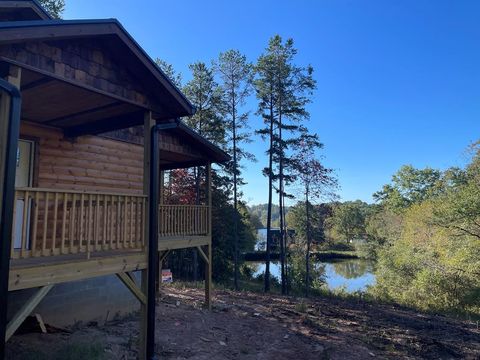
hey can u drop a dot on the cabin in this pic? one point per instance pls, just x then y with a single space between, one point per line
99 126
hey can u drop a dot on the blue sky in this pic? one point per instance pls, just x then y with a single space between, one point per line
398 81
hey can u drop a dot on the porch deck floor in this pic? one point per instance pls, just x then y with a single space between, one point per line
69 258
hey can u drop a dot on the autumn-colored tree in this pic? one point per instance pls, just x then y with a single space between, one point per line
316 181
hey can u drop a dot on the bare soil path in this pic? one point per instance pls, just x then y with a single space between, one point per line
255 326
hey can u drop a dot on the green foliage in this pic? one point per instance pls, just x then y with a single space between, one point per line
382 227
409 186
54 7
223 237
296 219
206 95
297 274
169 70
429 267
433 262
260 211
348 221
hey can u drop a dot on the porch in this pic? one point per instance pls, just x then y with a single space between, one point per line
92 234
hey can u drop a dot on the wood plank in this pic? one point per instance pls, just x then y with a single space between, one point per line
64 222
60 272
181 242
130 284
26 310
203 255
45 226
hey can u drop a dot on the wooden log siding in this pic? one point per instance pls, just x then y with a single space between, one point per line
88 163
82 61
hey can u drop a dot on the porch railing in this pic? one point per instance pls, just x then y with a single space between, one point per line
49 222
183 220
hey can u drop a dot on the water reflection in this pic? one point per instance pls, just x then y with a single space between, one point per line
349 274
353 268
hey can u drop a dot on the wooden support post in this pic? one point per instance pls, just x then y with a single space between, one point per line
130 284
161 256
10 113
208 264
26 310
149 123
14 77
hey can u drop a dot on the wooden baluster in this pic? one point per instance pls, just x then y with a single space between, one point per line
105 217
112 222
140 228
82 221
73 223
131 221
184 227
14 233
124 222
45 226
176 220
89 224
144 211
135 221
24 224
35 223
96 234
64 222
55 218
117 233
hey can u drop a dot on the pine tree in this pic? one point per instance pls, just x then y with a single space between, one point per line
236 76
283 90
206 95
54 7
169 70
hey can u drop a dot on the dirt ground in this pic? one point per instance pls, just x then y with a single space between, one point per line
255 326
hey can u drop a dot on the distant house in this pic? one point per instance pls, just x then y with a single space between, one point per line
82 182
261 244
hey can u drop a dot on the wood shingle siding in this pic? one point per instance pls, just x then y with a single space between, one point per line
82 61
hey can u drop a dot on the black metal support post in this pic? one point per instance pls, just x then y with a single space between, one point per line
7 199
153 224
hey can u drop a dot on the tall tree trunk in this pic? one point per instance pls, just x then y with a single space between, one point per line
285 247
307 256
280 204
269 210
235 200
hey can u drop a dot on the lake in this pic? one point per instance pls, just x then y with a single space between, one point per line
350 274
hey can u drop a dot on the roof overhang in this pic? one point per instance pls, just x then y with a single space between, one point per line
22 10
117 36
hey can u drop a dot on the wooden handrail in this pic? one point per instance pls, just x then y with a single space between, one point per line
57 222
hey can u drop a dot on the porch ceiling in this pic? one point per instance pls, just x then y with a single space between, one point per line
76 110
79 111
